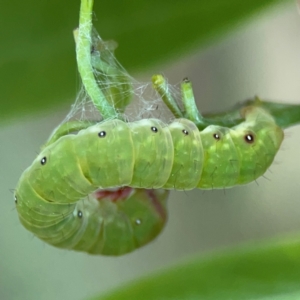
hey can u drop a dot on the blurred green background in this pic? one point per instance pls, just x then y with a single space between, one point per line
39 82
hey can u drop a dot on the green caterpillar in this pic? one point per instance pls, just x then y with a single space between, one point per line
102 187
146 154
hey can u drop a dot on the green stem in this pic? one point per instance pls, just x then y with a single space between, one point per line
190 110
83 55
112 80
188 101
285 115
160 85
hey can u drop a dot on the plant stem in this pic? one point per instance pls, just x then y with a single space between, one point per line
83 56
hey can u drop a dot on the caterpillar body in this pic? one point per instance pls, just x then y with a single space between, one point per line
145 154
102 187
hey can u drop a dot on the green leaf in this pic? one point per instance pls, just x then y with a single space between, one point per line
262 272
38 69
